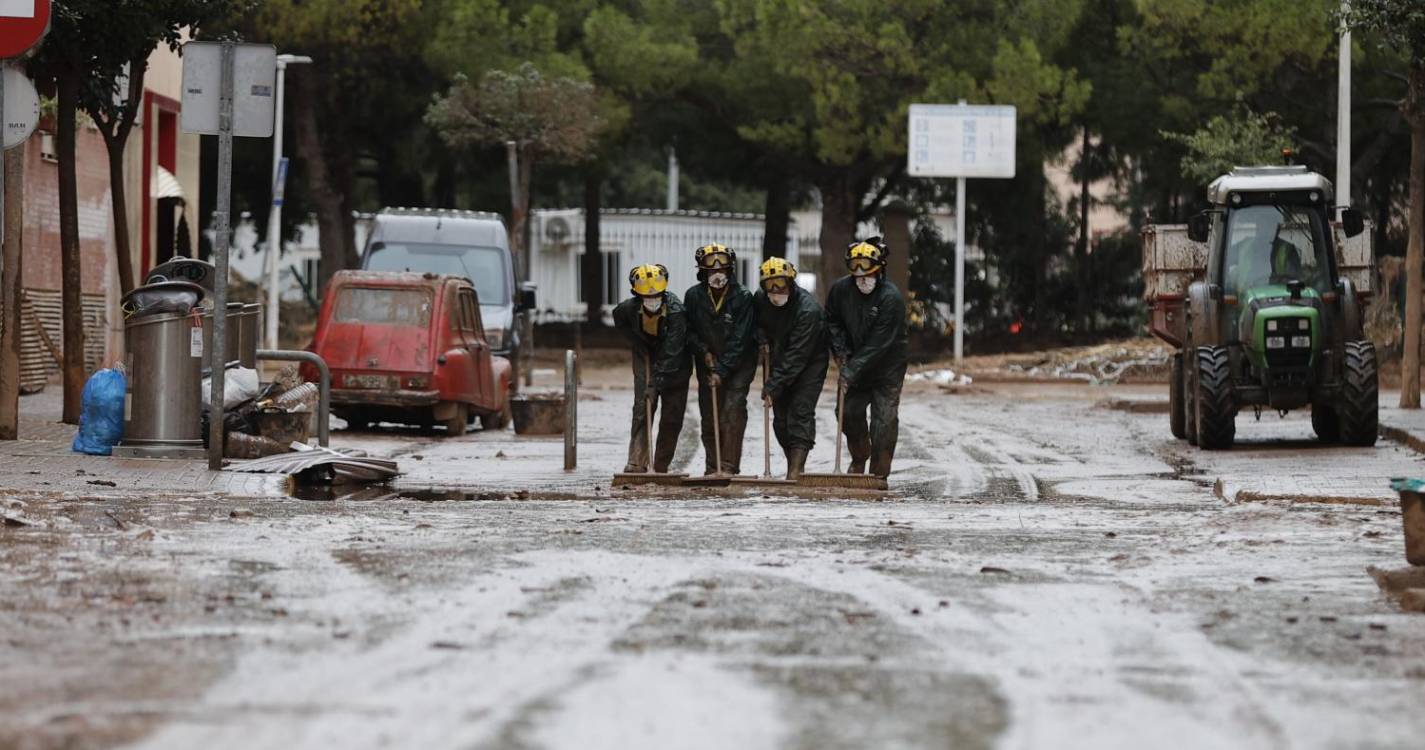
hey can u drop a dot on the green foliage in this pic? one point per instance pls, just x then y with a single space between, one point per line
558 118
1398 23
1241 138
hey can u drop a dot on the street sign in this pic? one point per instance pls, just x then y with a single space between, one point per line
957 140
22 107
254 86
23 23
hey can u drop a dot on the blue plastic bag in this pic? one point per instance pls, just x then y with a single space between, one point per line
101 419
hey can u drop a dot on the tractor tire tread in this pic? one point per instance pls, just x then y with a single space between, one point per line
1359 410
1216 401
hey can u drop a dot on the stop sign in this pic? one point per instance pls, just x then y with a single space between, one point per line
23 24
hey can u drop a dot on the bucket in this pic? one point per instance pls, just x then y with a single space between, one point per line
538 414
1412 516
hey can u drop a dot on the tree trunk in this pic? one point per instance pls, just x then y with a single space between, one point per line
838 229
123 252
593 271
331 225
1081 268
1410 364
10 280
778 209
73 314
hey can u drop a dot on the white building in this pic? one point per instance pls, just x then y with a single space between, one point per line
632 237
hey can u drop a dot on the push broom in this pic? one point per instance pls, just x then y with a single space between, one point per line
766 480
836 478
626 478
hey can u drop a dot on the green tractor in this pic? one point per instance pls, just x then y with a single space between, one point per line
1263 298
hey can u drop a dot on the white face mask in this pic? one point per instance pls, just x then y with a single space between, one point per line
717 280
653 304
866 284
778 300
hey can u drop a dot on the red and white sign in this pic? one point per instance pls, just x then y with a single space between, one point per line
23 23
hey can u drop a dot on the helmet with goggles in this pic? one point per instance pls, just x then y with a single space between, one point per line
865 257
648 280
715 257
777 275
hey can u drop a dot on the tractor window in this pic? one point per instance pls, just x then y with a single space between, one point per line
1269 245
389 306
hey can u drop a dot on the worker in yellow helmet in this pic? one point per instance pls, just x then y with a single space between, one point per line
792 326
655 324
866 316
722 337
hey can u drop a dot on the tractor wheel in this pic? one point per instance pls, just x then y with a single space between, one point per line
1177 412
455 425
1326 423
1360 395
1189 399
1216 403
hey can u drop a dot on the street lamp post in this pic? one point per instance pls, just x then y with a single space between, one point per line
274 220
1343 115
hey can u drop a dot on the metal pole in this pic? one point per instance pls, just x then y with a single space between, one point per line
274 220
1343 114
216 358
571 411
960 266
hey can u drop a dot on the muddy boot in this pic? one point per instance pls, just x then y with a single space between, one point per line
881 463
796 462
635 469
860 451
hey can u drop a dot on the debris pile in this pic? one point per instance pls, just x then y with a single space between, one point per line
264 421
1105 364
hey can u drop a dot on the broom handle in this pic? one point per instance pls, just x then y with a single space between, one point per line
648 406
766 419
840 417
717 432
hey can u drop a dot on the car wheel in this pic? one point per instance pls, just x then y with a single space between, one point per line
455 425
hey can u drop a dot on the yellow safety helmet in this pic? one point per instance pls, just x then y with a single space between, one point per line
773 269
648 280
714 256
865 257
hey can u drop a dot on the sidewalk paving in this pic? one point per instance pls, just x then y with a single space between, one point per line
43 461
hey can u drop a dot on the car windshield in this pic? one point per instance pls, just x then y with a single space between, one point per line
1274 244
377 305
484 266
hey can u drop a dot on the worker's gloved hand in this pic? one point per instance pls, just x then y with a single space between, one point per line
843 384
709 360
841 361
715 381
766 397
766 349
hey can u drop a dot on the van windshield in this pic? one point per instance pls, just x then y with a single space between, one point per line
484 266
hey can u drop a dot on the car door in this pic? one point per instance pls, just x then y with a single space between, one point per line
484 386
458 372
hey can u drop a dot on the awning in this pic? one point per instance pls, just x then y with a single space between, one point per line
165 185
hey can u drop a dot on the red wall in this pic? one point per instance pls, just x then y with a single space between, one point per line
41 249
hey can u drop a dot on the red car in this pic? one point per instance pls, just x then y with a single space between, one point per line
410 348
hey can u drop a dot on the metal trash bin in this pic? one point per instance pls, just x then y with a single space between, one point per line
243 329
164 404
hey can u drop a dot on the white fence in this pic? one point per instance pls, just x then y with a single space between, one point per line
630 238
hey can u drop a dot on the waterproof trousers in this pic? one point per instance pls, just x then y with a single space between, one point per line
878 441
732 411
672 401
794 410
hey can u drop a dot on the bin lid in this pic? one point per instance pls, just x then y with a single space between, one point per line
200 272
162 297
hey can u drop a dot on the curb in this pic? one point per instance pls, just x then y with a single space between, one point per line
1219 490
1403 437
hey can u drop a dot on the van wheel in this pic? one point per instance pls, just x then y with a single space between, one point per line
455 425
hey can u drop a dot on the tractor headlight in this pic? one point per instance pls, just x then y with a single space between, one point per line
1271 325
1301 342
1302 324
1276 342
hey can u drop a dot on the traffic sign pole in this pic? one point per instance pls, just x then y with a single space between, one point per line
218 356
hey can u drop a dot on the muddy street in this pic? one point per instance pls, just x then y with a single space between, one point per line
1051 568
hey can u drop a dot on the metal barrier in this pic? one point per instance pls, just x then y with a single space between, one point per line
324 384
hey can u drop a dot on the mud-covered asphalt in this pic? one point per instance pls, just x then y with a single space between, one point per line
1047 573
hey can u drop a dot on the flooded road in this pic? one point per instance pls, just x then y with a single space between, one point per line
1046 572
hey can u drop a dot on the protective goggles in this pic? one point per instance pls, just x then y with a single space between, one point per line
777 286
715 260
863 265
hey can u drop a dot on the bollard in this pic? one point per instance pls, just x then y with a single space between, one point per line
571 410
